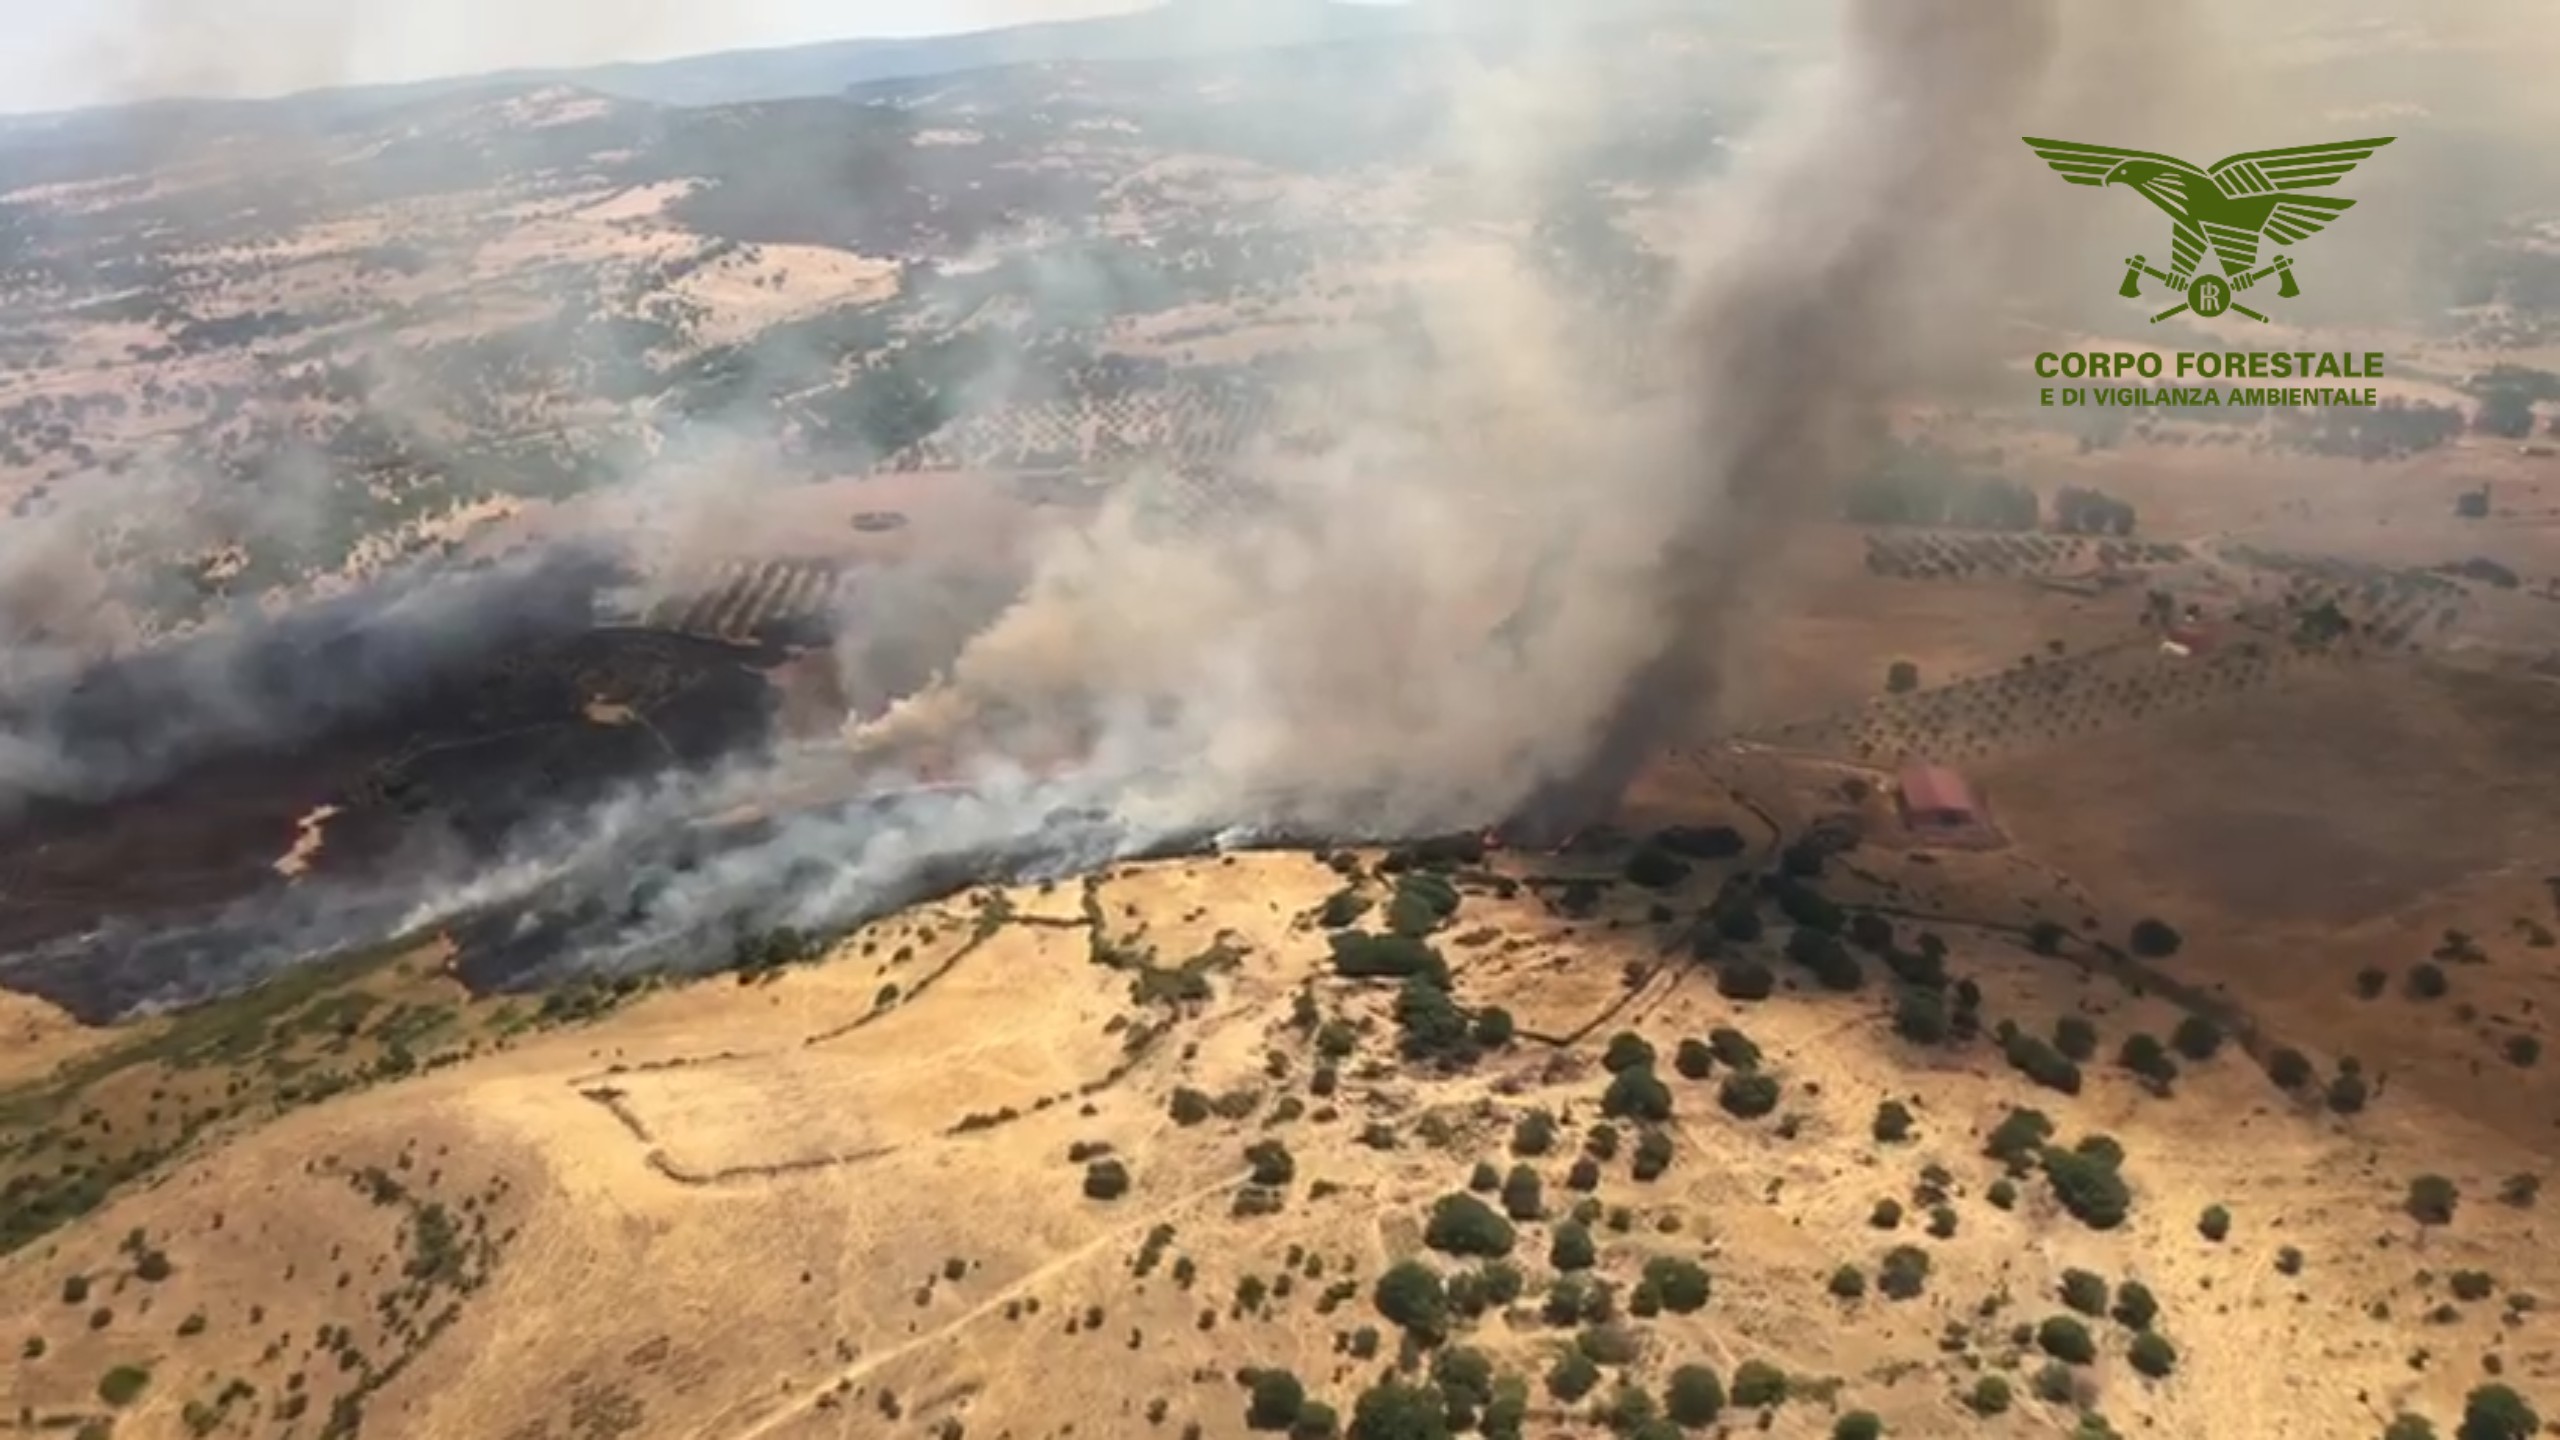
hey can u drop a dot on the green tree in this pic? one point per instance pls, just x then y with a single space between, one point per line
1892 1122
1494 1027
1693 1396
2431 1200
1411 1294
1572 1376
1904 1272
1392 1410
1748 1095
2136 1307
1523 1196
2084 1291
2215 1223
1461 1224
2495 1412
1636 1093
1106 1180
1572 1248
1626 1051
1693 1059
2405 1426
1759 1385
1683 1284
1990 1396
1275 1398
2153 1355
1857 1425
1848 1282
2064 1338
2088 1186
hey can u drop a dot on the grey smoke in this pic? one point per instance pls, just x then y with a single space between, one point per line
1325 662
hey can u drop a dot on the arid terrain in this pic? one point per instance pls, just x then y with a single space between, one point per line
2189 1081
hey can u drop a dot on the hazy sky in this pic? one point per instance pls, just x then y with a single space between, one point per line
57 55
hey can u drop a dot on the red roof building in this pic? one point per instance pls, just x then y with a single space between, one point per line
1936 797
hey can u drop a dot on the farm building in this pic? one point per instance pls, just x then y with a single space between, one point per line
1936 798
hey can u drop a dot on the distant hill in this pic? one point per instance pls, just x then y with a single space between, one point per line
1170 30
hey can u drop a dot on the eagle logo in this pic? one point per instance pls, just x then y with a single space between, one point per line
2225 208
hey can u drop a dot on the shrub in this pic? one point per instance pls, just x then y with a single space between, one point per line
2348 1092
1626 1051
1494 1027
1655 868
1316 1421
1901 678
1990 1396
123 1385
1571 1248
2288 1261
2289 1068
2018 1137
1584 1176
152 1267
1272 1164
1904 1272
1683 1284
1893 1122
1534 1134
2153 1355
2494 1412
2084 1291
1857 1425
2522 1051
1871 932
1392 1410
1833 967
2136 1307
1276 1398
1653 1155
2087 1186
1733 1049
1758 1385
2405 1426
1746 979
2520 1190
2431 1200
1523 1197
1359 956
1636 1093
2041 1063
2045 937
1484 1179
1748 1095
1848 1282
1106 1180
2075 1037
1464 1374
2473 1284
1738 920
2155 939
2064 1338
1886 1215
1572 1376
1693 1396
1613 1345
2197 1038
1411 1295
1920 1016
1461 1224
2003 1194
2144 1055
75 1289
2371 981
1693 1060
2427 981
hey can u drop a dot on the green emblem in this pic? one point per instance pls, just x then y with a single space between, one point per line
2225 208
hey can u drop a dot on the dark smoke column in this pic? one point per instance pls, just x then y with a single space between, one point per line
1794 333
